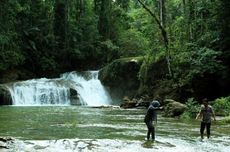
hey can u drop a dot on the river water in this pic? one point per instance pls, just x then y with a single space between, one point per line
79 128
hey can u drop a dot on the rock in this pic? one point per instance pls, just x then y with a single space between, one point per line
5 97
167 101
127 103
5 139
150 73
121 77
4 143
143 103
134 103
74 98
174 108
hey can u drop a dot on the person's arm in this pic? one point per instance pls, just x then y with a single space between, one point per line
160 108
198 115
213 115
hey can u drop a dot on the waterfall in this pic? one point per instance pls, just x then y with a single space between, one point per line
39 92
87 87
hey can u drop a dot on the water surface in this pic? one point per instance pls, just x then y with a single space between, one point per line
78 128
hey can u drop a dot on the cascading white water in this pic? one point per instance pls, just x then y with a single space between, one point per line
43 91
39 92
89 88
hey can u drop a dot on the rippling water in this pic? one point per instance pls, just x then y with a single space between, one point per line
73 128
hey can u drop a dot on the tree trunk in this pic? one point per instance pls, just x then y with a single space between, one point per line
60 29
104 19
162 12
184 6
191 17
164 35
80 8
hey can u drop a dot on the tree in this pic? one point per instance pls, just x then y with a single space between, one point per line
60 29
10 52
104 24
163 33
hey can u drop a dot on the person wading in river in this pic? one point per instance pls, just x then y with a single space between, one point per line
205 113
151 118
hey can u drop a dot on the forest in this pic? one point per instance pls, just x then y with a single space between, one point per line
100 75
43 38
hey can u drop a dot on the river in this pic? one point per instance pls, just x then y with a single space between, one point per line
82 128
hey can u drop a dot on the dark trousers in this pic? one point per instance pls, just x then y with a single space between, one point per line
204 125
151 130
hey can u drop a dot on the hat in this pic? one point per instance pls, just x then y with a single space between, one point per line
155 103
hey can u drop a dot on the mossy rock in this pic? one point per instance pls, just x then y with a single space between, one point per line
121 77
151 73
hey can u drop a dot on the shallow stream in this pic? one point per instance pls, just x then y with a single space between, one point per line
79 128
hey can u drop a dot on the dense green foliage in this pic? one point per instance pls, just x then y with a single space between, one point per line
192 109
47 37
222 106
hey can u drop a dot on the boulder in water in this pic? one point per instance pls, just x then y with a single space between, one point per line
121 77
174 108
74 98
5 97
134 103
127 103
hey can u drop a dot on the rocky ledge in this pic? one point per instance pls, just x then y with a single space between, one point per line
171 108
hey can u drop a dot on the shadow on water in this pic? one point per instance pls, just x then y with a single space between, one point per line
155 144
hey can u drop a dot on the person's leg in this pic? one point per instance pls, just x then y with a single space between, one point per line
148 134
202 127
149 126
153 133
208 125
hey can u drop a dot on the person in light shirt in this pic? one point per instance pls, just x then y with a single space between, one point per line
205 113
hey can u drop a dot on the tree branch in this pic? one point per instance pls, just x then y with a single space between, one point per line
163 32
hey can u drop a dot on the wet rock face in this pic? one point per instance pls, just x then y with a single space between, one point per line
121 77
5 97
74 99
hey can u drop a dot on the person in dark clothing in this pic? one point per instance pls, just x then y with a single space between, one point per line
151 118
205 113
